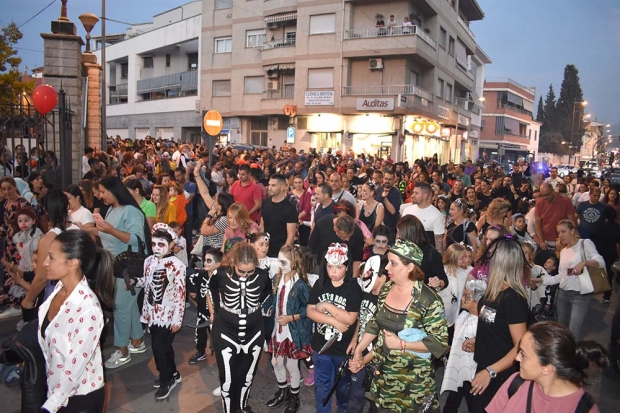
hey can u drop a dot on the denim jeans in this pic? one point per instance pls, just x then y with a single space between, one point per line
325 368
572 311
357 399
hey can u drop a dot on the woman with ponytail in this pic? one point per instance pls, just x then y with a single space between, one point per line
71 321
552 373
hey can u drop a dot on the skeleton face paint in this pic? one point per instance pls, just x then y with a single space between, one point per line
160 247
369 275
285 263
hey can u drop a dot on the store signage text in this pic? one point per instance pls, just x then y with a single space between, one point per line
375 104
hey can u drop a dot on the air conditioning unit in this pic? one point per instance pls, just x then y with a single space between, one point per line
272 74
375 64
272 85
273 26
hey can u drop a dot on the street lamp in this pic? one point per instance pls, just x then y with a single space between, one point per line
89 21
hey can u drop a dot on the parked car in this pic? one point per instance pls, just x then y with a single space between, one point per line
564 170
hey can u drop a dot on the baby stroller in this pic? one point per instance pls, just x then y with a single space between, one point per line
545 310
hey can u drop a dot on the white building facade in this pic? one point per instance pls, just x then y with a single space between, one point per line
152 77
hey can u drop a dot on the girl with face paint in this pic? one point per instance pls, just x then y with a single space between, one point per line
164 305
292 333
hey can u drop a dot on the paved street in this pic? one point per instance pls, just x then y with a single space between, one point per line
130 387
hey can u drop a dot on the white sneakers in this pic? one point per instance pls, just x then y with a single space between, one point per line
137 350
217 392
117 359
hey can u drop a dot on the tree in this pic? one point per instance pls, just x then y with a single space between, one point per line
10 78
569 108
551 142
549 124
540 113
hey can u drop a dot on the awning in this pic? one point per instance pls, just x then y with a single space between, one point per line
517 100
281 17
527 105
281 66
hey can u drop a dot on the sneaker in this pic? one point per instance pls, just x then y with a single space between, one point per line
164 391
197 357
309 380
606 300
117 359
176 376
217 392
137 350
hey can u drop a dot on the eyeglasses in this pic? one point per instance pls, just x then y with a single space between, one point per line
245 273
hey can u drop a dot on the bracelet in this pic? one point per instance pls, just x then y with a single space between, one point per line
402 345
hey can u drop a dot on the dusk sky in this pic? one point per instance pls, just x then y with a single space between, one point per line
529 41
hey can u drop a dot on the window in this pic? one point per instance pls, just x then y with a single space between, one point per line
323 23
259 138
223 4
254 84
439 91
535 135
258 134
147 61
291 38
223 45
443 37
168 60
321 78
254 38
448 92
414 78
221 88
451 46
124 70
192 61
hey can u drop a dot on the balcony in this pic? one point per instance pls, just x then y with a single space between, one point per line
279 94
274 44
386 90
389 32
513 108
179 84
118 93
466 28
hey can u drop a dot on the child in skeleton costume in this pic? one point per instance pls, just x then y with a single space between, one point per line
291 336
164 304
199 291
238 333
334 305
371 281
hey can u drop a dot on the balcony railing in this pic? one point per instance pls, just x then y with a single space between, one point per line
274 44
185 82
515 109
386 90
279 94
389 32
466 28
117 93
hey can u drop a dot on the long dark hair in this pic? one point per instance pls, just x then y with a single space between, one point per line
225 200
75 190
411 229
134 184
96 264
554 345
124 197
56 205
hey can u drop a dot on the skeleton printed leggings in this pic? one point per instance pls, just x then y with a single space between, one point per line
237 354
201 319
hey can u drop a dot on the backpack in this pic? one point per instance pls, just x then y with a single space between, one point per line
584 406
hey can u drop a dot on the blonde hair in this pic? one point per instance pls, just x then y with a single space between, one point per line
241 253
163 204
507 264
239 213
498 208
296 256
451 258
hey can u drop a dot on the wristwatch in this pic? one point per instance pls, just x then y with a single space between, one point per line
492 372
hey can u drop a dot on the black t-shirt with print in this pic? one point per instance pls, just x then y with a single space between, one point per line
348 296
493 339
368 308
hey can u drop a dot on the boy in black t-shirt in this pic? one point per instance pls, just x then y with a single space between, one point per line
333 305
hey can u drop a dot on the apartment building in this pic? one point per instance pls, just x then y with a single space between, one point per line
509 131
152 77
321 74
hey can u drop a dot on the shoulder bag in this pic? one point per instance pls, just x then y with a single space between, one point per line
592 280
131 261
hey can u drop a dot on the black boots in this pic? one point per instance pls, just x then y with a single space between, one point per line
293 404
282 396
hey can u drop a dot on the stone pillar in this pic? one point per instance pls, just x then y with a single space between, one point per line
93 114
63 69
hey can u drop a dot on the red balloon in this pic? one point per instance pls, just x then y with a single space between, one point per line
44 98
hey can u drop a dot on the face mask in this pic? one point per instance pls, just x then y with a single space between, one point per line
370 274
160 247
285 263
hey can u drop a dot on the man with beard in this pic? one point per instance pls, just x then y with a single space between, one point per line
390 197
279 218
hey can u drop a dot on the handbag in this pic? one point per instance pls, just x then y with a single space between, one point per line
131 261
197 250
592 280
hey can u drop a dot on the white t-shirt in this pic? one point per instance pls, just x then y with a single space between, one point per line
345 196
431 218
182 254
85 165
82 216
218 178
554 182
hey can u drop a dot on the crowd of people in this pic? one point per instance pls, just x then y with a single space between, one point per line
357 275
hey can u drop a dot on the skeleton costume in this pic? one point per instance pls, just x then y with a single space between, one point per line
238 332
199 284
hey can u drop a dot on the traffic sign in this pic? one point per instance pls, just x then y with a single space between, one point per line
212 122
290 134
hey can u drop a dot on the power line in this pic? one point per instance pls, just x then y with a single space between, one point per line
28 50
42 10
